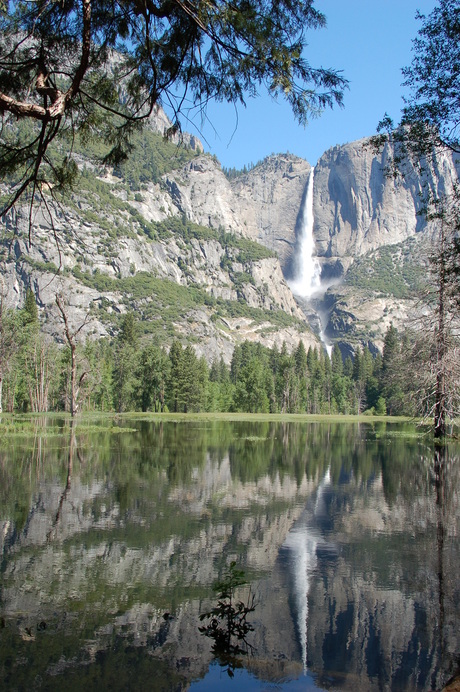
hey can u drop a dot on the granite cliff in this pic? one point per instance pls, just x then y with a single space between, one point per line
232 241
175 251
372 238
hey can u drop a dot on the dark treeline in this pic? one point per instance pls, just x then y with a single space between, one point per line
232 173
128 373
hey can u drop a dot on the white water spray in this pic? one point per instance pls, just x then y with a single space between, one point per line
308 271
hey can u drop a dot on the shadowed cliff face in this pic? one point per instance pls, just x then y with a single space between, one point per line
359 208
348 535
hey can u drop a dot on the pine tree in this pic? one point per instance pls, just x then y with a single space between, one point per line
129 330
125 364
301 366
151 376
30 310
250 392
428 133
175 391
9 337
336 361
348 367
393 373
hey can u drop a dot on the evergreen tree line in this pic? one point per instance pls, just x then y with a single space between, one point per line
130 374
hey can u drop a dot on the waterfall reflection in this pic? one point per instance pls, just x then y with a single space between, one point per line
348 535
302 543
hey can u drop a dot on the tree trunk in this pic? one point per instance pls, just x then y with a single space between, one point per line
73 377
72 341
441 348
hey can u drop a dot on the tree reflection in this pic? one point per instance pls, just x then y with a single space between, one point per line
228 625
440 459
72 445
445 468
154 511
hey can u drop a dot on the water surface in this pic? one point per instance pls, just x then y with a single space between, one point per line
113 536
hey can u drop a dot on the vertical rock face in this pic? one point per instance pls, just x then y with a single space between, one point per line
268 200
358 208
262 204
203 194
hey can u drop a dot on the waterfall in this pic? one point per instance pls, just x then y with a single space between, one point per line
307 279
306 283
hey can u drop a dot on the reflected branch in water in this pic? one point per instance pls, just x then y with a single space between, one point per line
446 469
72 448
228 622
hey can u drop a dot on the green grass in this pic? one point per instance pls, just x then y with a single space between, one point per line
238 248
268 417
24 428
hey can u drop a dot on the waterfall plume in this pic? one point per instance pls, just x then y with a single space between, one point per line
307 278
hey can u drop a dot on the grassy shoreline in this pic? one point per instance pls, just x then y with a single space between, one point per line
55 423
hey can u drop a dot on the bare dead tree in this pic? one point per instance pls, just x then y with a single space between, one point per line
433 365
71 337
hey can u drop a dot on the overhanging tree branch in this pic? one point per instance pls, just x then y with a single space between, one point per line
63 64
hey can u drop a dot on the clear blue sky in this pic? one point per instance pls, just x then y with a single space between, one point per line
370 41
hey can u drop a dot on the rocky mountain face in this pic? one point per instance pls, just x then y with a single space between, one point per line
269 199
108 230
357 208
263 204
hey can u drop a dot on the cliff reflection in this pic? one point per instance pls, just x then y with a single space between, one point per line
382 611
346 533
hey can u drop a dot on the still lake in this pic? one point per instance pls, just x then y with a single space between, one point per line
114 532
